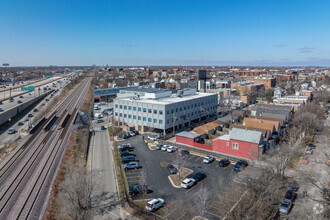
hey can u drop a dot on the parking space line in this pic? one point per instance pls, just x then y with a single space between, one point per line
216 166
182 216
132 177
169 213
133 181
190 188
198 158
219 202
225 167
158 210
218 209
192 157
214 214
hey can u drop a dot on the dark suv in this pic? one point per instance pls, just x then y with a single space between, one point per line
240 165
172 169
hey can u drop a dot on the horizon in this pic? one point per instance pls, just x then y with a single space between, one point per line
165 33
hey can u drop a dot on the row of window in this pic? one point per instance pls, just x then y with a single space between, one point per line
139 118
155 111
235 146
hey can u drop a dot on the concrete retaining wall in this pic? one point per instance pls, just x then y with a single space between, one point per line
10 113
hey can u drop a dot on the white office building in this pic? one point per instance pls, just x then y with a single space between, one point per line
161 109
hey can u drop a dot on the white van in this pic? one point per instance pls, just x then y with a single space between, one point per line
98 115
96 107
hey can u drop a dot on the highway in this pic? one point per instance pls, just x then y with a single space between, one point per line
27 174
26 121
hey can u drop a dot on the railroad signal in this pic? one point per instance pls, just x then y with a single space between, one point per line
21 130
9 119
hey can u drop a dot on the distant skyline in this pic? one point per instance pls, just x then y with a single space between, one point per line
165 32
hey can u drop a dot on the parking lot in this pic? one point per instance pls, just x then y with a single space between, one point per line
154 174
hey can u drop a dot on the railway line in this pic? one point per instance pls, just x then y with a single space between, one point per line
27 175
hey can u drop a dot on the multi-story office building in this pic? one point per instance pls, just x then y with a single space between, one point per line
161 109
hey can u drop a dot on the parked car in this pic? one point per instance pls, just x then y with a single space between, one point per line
30 115
154 204
20 123
187 183
285 206
172 169
208 159
224 163
25 119
128 159
19 101
123 136
42 104
99 121
125 147
138 189
171 149
183 153
35 110
21 96
1 103
126 153
153 137
133 133
159 147
1 109
11 100
199 176
164 147
11 131
131 165
47 100
290 195
240 165
103 128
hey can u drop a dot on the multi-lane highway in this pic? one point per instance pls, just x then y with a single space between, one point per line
27 174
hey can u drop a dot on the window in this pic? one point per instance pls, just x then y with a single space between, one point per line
235 146
116 106
129 116
176 110
125 107
155 120
139 118
168 121
125 116
227 144
139 109
172 111
144 110
129 107
149 119
134 108
161 122
120 106
181 109
134 116
155 111
116 114
144 118
120 115
168 112
160 112
149 110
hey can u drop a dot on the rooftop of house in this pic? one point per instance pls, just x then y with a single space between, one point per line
188 134
243 135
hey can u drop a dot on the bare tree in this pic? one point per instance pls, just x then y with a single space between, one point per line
180 162
76 193
201 199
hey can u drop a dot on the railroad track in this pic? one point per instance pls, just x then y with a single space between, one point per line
26 177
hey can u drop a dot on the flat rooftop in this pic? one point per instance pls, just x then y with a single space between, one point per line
168 100
146 90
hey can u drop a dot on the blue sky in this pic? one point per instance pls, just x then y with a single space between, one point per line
165 32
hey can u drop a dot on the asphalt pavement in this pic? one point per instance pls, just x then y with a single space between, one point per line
155 173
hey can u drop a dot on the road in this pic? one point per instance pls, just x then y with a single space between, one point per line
105 196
